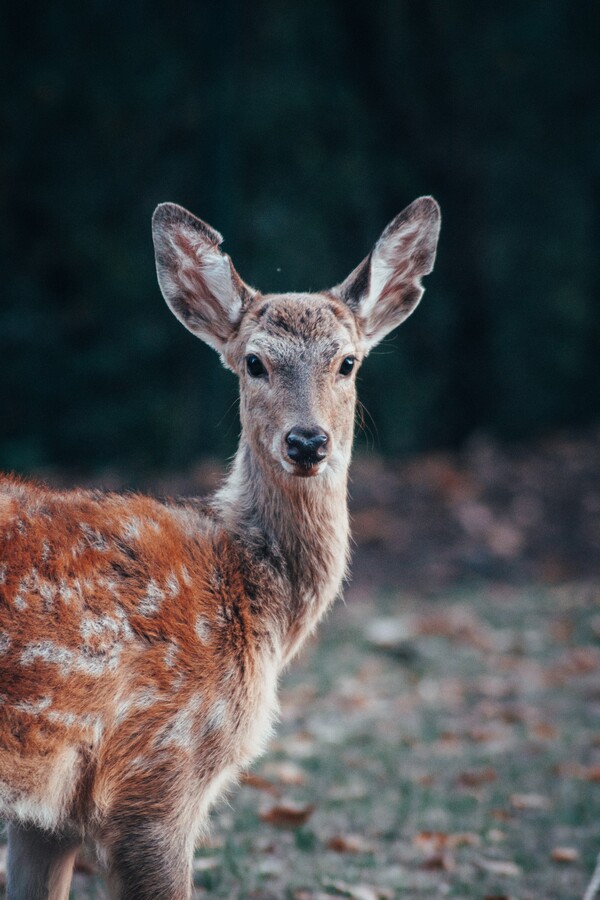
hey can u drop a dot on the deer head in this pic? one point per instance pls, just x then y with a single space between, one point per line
296 355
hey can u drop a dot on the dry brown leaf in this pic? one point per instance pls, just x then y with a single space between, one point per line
565 854
545 731
529 801
576 770
349 843
501 814
287 815
443 860
430 842
477 777
464 839
250 779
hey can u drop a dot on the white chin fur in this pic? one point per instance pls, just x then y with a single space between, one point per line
293 470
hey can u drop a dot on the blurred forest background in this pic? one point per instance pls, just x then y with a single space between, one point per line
297 130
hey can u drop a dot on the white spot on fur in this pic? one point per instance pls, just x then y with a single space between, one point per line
203 629
3 569
77 549
94 539
218 716
33 707
88 722
68 660
5 642
98 626
131 529
47 593
152 599
66 592
173 586
139 700
170 654
179 731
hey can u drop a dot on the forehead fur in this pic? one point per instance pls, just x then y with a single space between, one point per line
299 319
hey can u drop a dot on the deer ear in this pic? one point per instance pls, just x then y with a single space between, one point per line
198 282
386 287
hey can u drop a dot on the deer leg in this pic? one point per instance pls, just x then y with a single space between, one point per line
150 859
40 864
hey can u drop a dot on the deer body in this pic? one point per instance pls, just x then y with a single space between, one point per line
140 641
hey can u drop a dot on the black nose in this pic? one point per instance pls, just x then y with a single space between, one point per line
306 446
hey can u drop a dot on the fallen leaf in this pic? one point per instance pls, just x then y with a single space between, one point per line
500 867
425 780
545 731
349 843
257 781
286 773
477 777
287 815
496 836
444 861
361 891
565 854
501 814
430 842
464 839
529 801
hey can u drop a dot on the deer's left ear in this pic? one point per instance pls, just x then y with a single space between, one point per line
197 280
386 287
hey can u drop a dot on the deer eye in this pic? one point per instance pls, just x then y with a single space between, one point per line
347 365
255 367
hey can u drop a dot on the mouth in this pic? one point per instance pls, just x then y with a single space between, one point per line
304 469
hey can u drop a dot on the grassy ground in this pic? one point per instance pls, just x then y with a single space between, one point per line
443 747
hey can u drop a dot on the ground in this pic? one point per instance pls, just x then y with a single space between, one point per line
441 735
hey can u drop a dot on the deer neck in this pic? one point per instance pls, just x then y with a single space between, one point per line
302 524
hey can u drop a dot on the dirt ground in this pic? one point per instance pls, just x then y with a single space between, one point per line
441 735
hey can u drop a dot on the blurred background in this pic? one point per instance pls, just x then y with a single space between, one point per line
298 131
442 735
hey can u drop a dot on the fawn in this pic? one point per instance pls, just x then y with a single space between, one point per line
141 641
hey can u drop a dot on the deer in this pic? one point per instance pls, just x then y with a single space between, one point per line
142 640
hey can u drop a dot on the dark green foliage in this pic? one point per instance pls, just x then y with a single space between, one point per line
298 131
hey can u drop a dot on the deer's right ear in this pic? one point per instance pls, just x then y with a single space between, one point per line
386 287
198 282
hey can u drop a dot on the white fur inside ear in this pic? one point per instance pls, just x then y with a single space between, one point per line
198 282
216 273
390 264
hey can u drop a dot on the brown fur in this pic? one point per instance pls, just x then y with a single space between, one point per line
140 641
